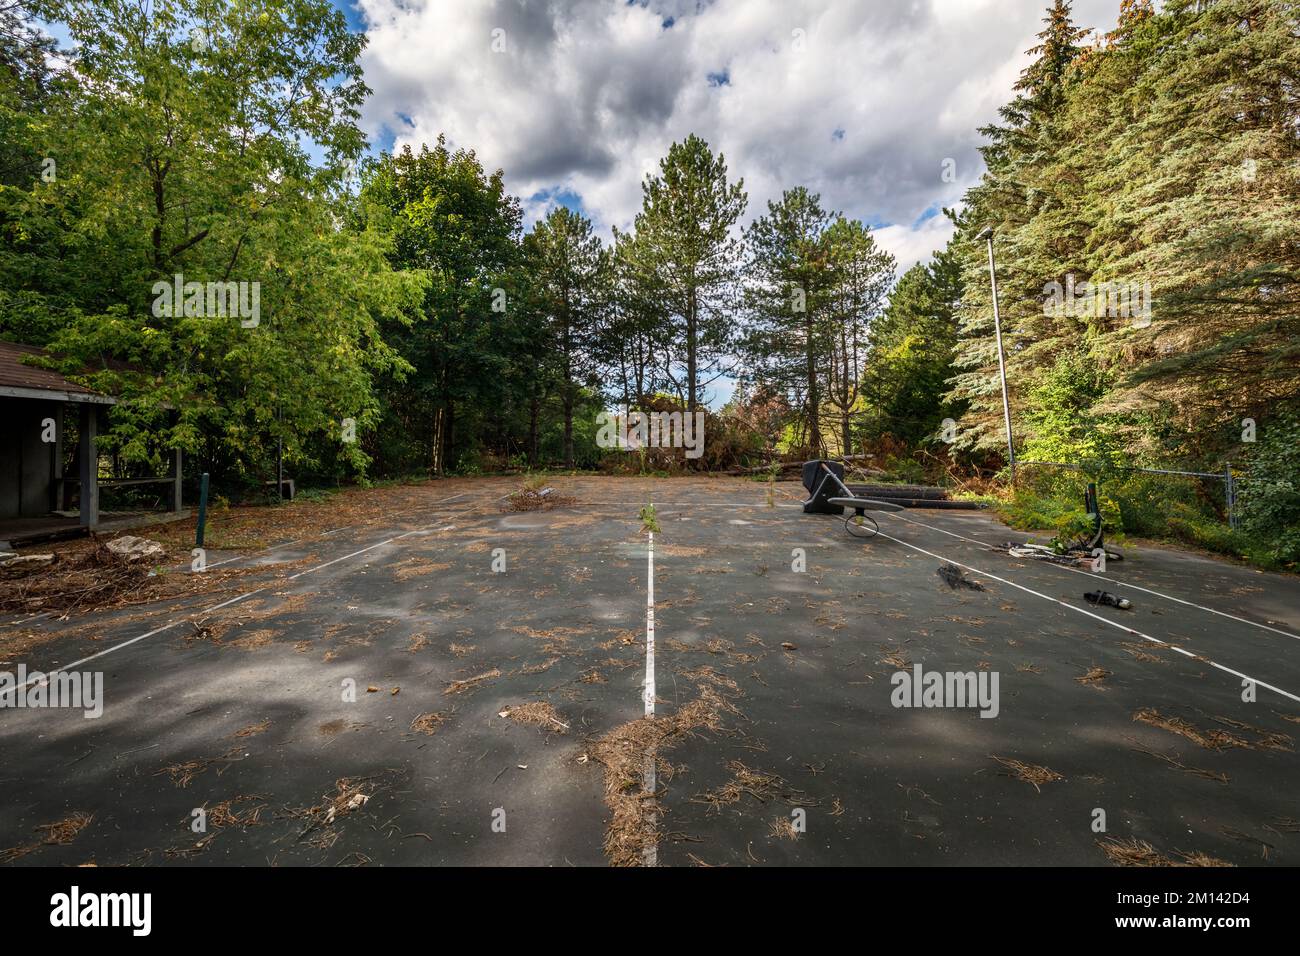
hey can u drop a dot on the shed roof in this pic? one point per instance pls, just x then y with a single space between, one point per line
18 380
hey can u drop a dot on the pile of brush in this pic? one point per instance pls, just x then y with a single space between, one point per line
94 579
535 496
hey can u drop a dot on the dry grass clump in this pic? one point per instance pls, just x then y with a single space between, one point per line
182 774
1094 675
626 753
1210 740
252 730
1134 852
469 683
897 660
1139 652
1028 772
65 830
783 828
555 640
540 667
1265 739
58 833
428 723
350 795
224 814
262 637
538 713
418 567
706 675
746 781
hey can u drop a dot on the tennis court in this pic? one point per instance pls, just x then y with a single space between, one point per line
499 662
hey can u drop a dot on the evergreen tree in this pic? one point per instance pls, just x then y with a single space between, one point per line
685 260
567 265
792 328
910 353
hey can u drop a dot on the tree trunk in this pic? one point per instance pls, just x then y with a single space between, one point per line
534 407
448 433
435 443
568 425
814 396
690 352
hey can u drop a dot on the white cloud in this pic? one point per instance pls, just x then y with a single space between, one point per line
588 93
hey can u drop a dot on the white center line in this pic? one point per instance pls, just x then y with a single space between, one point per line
650 629
649 776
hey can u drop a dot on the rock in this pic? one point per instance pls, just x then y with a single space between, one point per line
21 564
130 548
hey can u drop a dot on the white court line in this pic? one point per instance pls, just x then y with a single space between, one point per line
218 607
128 643
295 577
289 544
1096 617
649 777
1117 582
650 629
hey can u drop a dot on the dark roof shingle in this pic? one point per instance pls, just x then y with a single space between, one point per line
15 374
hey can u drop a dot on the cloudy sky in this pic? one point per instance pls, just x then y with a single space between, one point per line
866 101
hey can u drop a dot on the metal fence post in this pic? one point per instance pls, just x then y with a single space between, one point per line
203 510
1230 493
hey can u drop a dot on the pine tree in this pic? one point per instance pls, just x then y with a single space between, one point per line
788 299
567 264
910 353
861 274
685 260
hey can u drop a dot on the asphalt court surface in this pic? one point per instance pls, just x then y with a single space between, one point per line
234 702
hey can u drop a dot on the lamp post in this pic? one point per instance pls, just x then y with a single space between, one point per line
987 235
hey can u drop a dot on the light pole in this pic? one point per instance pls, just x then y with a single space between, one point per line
987 234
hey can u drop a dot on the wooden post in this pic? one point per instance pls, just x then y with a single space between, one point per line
88 460
56 465
176 483
201 527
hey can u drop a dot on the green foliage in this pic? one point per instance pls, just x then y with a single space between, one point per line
174 157
815 279
649 522
682 261
910 353
1060 420
568 278
1186 510
455 227
1161 157
1270 488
